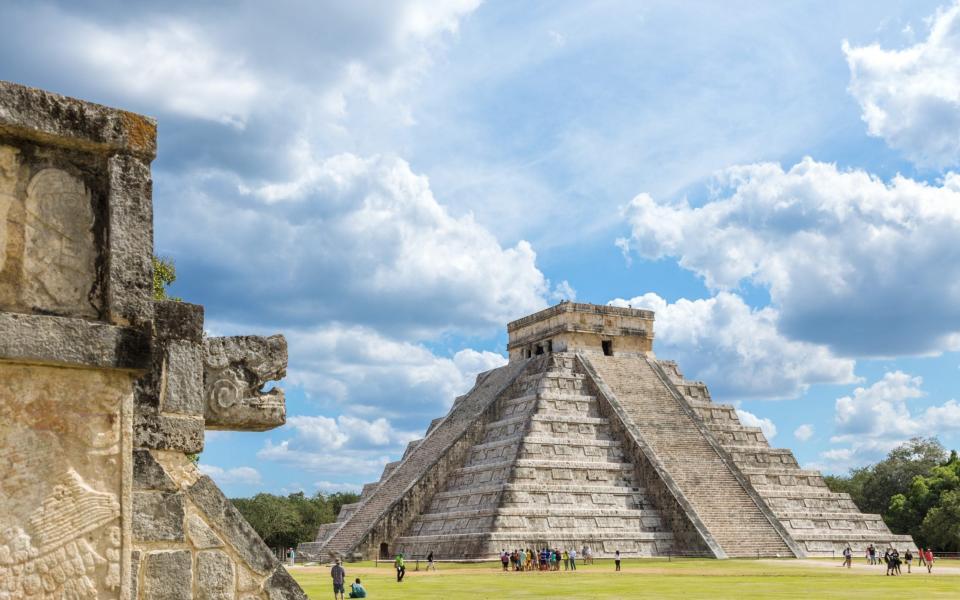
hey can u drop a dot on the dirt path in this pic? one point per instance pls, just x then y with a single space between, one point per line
862 567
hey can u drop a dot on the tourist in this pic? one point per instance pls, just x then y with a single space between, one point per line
555 557
928 559
430 564
908 558
895 558
871 556
573 560
920 558
529 561
399 566
887 561
566 560
616 559
847 557
338 575
292 556
356 590
588 556
544 556
504 559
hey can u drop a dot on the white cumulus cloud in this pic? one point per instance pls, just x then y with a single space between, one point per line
751 420
803 432
233 475
911 97
345 445
356 239
868 267
875 419
737 350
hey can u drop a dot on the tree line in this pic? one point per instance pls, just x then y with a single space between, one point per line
916 489
285 521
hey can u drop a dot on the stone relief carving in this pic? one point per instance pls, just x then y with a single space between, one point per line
235 371
60 482
59 257
9 163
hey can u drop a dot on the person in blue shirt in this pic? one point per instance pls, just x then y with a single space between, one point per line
356 590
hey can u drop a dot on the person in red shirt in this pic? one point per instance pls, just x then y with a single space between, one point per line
928 558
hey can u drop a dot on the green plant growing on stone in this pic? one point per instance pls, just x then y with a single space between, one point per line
164 274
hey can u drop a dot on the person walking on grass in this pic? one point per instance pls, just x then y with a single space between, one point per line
338 575
430 564
566 560
573 560
616 559
908 558
928 558
398 564
847 557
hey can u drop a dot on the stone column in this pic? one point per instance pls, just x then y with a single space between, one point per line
75 321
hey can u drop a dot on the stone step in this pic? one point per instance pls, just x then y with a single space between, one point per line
669 427
543 511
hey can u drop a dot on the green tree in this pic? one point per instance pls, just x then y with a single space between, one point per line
164 274
285 521
941 526
895 474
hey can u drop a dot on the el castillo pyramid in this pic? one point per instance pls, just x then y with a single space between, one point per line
586 438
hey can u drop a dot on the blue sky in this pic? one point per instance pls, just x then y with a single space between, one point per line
389 183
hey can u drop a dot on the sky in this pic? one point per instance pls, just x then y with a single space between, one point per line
388 183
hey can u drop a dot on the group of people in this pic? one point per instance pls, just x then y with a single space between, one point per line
892 558
339 575
546 559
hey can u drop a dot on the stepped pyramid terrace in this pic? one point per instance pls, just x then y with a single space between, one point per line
586 438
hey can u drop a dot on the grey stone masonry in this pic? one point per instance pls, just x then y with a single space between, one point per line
102 391
585 439
548 471
731 511
821 521
408 488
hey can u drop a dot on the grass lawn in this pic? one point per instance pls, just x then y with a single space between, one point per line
651 578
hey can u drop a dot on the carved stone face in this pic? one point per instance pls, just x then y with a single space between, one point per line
235 371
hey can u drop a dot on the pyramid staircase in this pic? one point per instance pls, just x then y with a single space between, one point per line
822 522
548 471
584 438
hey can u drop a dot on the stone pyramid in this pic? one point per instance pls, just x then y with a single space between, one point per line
585 438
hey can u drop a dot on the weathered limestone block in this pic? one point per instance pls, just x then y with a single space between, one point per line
200 534
235 372
64 476
159 517
217 508
168 575
183 384
215 576
48 249
148 474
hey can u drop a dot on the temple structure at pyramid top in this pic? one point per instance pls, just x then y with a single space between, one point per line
585 438
584 328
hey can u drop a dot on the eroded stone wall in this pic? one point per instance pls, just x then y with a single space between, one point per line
64 439
102 391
